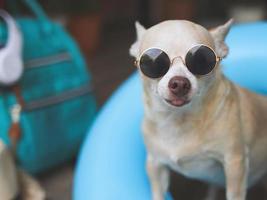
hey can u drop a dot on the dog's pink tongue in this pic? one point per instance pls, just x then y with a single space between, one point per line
178 102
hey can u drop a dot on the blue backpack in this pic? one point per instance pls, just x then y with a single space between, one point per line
53 100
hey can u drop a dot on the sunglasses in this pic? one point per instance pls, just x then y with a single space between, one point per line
200 60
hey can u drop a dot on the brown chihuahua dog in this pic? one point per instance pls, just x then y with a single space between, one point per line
196 121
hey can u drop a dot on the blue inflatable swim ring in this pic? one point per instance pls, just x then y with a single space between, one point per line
111 164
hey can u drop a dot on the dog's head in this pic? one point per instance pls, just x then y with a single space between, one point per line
178 86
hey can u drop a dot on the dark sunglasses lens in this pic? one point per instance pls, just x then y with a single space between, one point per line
200 60
154 63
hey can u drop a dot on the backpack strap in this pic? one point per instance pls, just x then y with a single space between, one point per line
35 8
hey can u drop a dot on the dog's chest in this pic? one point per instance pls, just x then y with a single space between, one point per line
185 153
200 166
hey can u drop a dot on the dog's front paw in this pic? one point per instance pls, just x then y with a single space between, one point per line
212 193
157 197
240 197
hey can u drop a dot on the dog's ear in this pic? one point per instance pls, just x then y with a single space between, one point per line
140 30
219 33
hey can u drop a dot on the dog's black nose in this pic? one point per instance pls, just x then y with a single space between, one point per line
179 86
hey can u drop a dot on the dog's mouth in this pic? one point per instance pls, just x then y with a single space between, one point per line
177 102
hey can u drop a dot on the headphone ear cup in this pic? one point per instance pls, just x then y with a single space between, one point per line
10 69
11 63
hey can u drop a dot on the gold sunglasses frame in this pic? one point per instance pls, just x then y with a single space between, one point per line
218 58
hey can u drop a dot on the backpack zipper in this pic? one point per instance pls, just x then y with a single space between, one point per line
58 98
48 60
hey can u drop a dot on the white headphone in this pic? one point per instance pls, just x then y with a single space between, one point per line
11 64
